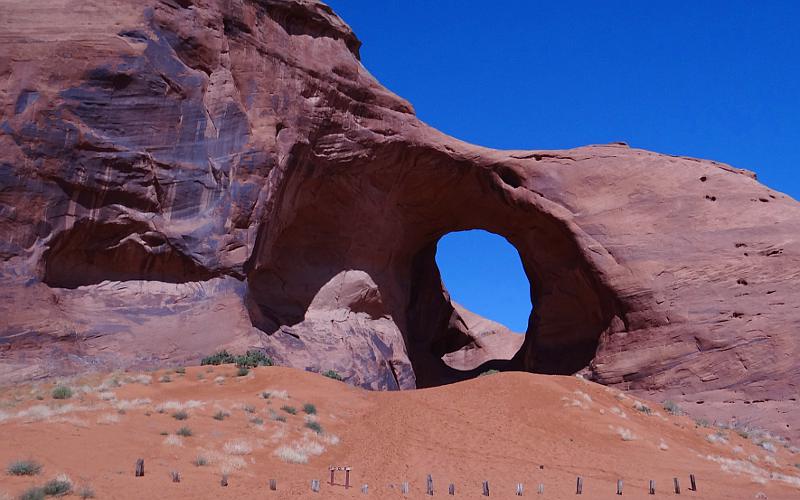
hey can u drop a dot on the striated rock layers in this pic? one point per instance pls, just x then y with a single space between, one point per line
180 176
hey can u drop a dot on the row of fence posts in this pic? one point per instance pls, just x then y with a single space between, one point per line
451 488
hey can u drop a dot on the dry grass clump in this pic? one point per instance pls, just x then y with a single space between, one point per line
237 447
26 467
291 410
672 408
58 487
275 393
180 415
221 415
61 392
129 404
298 452
625 433
140 379
184 432
107 395
173 440
200 461
616 410
643 408
717 437
108 418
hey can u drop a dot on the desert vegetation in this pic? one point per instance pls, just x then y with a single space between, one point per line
25 467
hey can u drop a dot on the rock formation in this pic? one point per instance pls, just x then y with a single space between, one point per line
180 176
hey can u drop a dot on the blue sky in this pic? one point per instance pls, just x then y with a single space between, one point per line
711 79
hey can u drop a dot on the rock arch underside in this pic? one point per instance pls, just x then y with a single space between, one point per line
178 177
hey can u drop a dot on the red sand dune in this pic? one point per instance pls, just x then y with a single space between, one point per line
506 428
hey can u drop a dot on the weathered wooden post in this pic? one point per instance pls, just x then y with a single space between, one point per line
346 477
224 480
693 484
652 487
677 485
619 486
140 467
540 490
332 469
579 486
486 488
429 485
273 484
451 489
519 489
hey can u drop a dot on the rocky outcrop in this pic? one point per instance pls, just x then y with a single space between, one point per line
179 176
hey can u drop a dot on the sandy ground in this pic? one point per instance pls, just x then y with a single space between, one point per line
506 428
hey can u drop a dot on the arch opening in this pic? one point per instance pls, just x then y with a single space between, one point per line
484 280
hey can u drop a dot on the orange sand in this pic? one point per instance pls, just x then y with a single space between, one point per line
499 428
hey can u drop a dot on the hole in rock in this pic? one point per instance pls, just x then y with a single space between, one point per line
487 285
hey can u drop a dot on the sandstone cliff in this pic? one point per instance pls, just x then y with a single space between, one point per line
179 176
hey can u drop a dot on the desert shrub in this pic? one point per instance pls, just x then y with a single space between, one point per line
332 374
249 408
180 370
57 487
86 491
24 468
672 408
257 420
273 415
641 407
489 372
184 431
165 378
164 433
220 415
242 371
310 409
35 493
291 410
61 392
237 447
250 359
200 461
314 426
180 415
701 422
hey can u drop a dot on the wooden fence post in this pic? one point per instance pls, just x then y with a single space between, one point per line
140 467
486 488
451 489
520 489
332 472
677 485
579 486
429 485
273 484
346 477
652 487
693 485
619 486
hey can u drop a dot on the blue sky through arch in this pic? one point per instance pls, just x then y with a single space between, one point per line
483 272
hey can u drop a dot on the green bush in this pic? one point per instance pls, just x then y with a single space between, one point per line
57 487
488 372
314 426
62 392
257 421
180 371
273 415
180 415
250 359
242 371
291 410
35 493
220 415
332 374
184 431
310 409
24 468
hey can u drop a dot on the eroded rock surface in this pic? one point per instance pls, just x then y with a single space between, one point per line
181 176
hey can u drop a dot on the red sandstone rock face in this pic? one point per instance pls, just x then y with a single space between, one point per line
180 176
